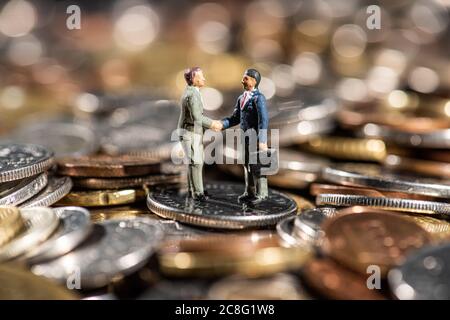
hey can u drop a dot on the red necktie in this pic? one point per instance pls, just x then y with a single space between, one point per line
243 100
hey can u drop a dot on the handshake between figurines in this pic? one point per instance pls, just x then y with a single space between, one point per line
216 125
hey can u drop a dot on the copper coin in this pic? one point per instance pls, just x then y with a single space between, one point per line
108 166
318 188
422 167
334 281
359 237
128 182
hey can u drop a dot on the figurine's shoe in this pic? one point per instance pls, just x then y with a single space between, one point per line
200 198
258 200
246 197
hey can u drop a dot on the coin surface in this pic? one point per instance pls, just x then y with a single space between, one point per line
397 204
285 230
359 237
75 228
56 189
11 223
372 176
19 161
423 276
40 222
437 169
115 247
20 284
334 281
121 183
16 192
107 166
101 198
222 210
308 225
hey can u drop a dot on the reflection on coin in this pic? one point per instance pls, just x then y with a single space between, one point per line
222 209
375 237
101 198
364 175
11 223
56 189
437 169
75 227
65 139
20 284
281 286
106 166
285 231
334 281
307 226
423 276
16 192
19 161
40 223
115 247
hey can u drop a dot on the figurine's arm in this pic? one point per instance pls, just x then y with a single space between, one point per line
199 119
234 119
263 119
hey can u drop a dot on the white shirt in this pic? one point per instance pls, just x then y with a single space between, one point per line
247 95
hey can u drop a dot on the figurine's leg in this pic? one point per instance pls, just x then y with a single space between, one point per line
186 143
197 167
249 181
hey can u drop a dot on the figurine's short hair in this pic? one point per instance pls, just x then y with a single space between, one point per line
189 74
254 74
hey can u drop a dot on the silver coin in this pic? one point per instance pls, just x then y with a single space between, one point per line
307 226
398 204
40 223
115 247
285 231
373 176
75 228
434 139
16 192
56 189
222 209
425 275
19 161
65 139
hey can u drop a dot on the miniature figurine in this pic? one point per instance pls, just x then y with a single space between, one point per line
251 113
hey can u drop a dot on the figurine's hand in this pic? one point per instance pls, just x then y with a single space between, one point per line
216 125
262 146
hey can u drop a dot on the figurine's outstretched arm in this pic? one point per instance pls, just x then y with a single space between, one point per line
199 119
234 119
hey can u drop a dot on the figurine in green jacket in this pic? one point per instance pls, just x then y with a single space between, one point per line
191 124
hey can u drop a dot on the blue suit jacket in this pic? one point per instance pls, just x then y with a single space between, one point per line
252 116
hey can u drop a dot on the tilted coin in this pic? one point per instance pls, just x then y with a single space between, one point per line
222 209
107 166
359 237
65 139
120 212
307 226
56 189
17 192
40 222
20 284
75 228
115 247
364 175
285 231
101 198
19 161
281 286
334 281
423 276
121 183
11 223
397 204
423 167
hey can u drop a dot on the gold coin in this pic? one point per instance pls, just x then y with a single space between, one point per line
101 198
20 284
11 223
124 212
348 148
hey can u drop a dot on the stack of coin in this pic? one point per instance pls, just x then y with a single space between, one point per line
103 181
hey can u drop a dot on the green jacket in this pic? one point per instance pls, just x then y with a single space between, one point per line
191 115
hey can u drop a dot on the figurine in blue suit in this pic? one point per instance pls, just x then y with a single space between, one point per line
250 112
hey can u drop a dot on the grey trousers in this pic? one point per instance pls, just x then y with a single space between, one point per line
193 149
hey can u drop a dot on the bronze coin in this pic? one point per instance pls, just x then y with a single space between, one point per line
334 281
360 236
319 188
421 167
130 182
108 166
